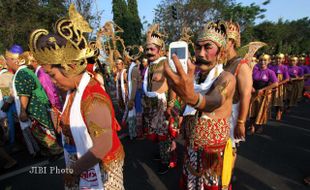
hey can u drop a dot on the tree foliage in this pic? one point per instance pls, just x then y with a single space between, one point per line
125 15
18 18
291 37
195 13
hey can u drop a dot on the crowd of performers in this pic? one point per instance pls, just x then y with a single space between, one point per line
61 103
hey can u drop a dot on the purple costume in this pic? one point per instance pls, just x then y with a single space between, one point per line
280 69
295 71
262 78
49 87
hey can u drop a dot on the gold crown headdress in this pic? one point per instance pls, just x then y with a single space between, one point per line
132 53
233 32
154 36
73 52
215 32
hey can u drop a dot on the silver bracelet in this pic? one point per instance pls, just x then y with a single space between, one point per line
200 98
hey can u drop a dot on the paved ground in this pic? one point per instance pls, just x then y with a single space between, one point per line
278 159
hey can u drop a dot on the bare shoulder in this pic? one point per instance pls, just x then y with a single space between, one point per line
245 68
226 77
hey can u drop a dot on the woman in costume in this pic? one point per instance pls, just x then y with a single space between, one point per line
293 87
94 155
49 87
264 80
282 75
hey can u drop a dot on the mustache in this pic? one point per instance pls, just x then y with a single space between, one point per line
150 55
200 60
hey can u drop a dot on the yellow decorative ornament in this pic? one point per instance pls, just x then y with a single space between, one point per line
233 32
74 52
154 36
215 32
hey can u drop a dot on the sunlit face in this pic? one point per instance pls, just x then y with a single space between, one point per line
144 63
59 79
293 62
206 53
152 52
119 65
279 60
263 62
10 62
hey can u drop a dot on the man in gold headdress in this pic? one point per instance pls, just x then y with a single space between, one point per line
236 66
93 151
208 156
156 91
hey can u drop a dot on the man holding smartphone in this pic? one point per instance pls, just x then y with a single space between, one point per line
208 148
156 101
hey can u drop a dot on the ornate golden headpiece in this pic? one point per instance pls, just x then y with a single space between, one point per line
153 36
75 50
233 32
132 53
215 32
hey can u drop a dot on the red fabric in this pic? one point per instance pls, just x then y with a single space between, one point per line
90 68
307 59
116 144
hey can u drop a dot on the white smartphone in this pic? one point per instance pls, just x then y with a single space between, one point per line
180 48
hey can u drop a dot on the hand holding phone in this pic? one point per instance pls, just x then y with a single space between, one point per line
180 48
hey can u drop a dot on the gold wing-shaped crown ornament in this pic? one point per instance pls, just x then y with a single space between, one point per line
216 32
248 51
186 36
154 36
132 53
107 39
66 47
233 32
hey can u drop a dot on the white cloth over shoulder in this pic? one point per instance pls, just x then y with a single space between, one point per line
132 112
204 87
92 178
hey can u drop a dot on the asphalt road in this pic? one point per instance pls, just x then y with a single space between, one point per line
278 159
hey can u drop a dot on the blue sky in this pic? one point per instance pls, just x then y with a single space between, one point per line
286 9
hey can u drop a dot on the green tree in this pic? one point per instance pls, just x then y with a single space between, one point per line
195 13
127 17
19 18
135 22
